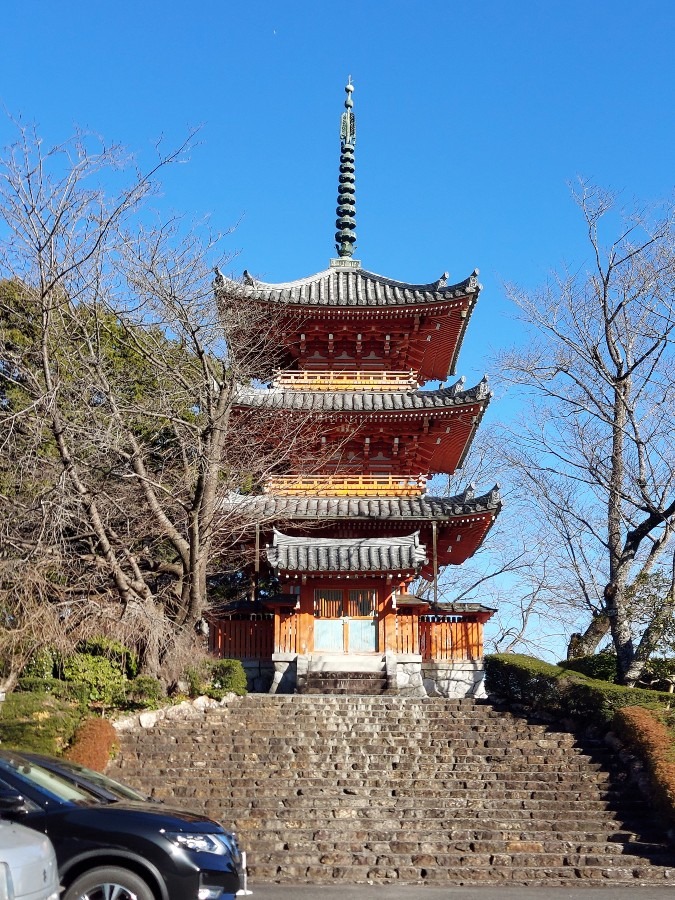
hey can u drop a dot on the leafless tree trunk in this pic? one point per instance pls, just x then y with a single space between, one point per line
118 379
597 453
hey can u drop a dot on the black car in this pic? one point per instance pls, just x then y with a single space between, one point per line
100 785
122 850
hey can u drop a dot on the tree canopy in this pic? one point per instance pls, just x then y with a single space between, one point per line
118 376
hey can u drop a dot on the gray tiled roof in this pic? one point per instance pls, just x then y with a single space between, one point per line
460 608
363 401
267 506
350 287
314 554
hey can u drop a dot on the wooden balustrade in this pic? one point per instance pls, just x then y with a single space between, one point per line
434 637
450 638
346 381
407 634
286 633
346 485
242 637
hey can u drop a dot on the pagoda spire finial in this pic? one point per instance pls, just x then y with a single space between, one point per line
345 236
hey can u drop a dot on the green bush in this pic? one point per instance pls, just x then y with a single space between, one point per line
64 690
197 678
42 664
104 679
659 674
145 691
546 689
227 677
600 666
121 657
40 722
216 679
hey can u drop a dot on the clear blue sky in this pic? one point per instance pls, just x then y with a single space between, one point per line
472 118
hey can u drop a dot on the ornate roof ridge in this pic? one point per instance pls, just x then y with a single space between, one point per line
281 537
375 401
346 554
440 286
410 508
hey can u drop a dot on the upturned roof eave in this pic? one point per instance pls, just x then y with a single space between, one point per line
432 401
431 294
457 507
452 368
484 405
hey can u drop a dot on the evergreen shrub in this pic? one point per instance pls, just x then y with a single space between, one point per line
227 677
65 690
145 691
541 688
216 679
40 721
42 664
599 666
105 680
120 656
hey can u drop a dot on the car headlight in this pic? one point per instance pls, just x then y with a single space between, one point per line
223 844
205 843
6 885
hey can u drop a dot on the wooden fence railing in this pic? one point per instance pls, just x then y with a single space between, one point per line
346 485
243 637
434 637
450 638
286 637
346 381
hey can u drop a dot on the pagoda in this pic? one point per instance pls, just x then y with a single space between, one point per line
347 536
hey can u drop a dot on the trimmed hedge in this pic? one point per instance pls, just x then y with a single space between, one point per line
542 688
41 722
600 666
646 733
94 743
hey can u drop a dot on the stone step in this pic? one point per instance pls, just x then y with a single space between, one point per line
388 789
434 874
531 855
468 841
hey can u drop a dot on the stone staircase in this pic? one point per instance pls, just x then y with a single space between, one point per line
336 674
382 789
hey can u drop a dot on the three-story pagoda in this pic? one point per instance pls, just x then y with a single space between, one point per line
347 536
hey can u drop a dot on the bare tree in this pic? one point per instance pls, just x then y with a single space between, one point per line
511 571
596 454
118 380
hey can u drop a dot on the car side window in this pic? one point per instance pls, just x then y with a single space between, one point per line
9 795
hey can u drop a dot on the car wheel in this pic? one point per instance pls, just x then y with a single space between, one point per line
109 883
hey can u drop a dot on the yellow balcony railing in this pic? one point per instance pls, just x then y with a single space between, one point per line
346 486
346 381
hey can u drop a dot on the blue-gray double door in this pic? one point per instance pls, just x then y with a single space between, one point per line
345 620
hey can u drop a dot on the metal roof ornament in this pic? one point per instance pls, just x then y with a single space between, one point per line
345 237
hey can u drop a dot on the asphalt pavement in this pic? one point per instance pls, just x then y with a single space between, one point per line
422 892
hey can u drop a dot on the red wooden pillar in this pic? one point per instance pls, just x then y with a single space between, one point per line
277 630
387 625
306 620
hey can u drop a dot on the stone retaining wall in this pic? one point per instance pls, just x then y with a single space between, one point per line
413 677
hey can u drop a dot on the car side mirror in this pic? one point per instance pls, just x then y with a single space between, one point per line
12 803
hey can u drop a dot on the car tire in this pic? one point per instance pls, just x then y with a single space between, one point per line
109 883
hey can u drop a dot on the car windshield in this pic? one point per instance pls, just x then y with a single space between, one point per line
96 778
47 781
